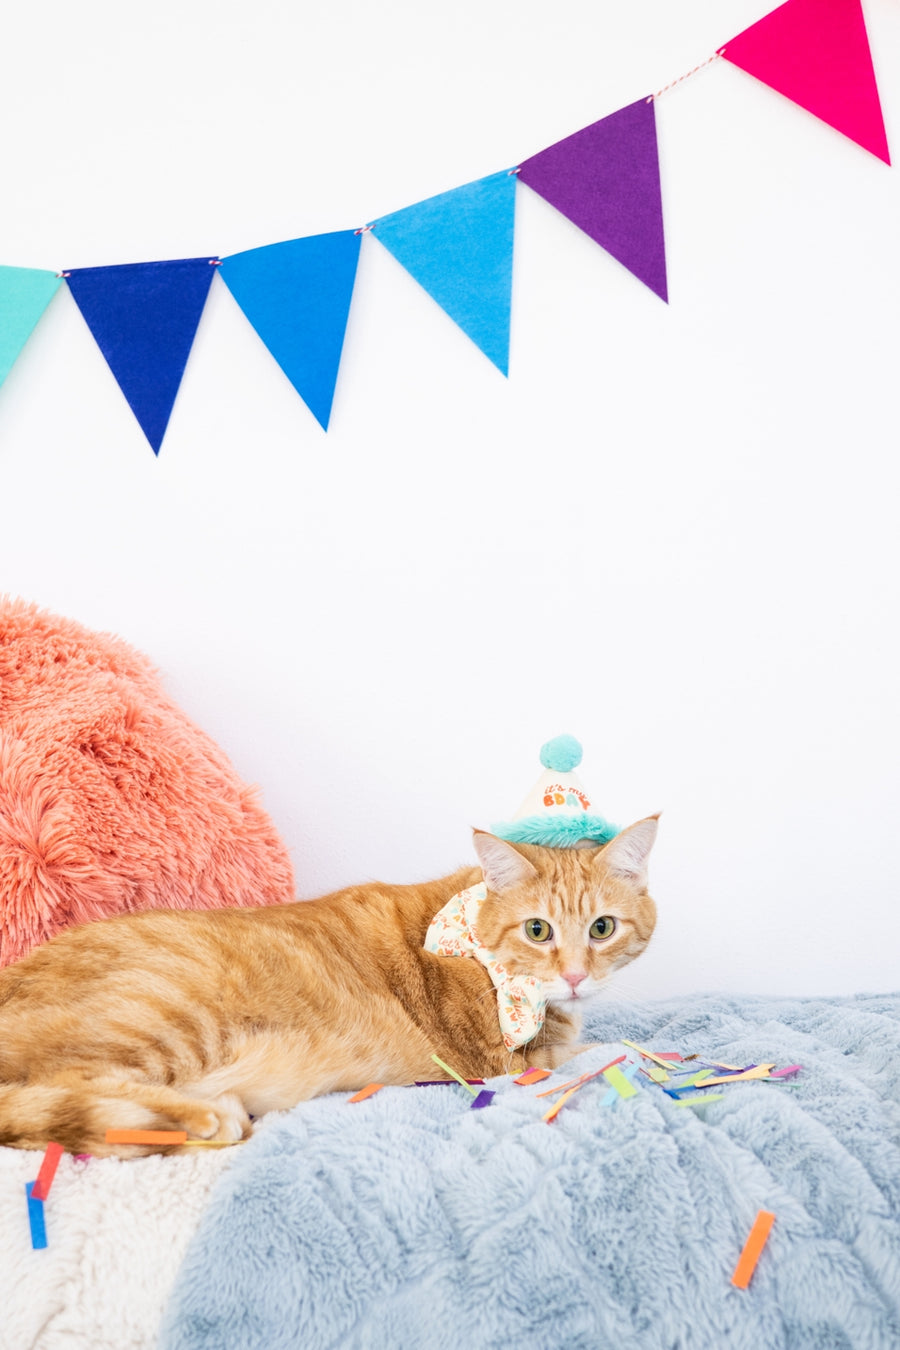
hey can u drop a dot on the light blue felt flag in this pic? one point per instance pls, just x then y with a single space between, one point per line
144 317
25 292
297 296
459 246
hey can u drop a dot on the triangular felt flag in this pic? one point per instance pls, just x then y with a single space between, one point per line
25 292
459 246
605 178
816 53
144 317
297 297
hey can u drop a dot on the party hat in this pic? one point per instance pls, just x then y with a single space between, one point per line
557 811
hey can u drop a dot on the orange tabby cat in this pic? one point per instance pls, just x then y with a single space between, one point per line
196 1020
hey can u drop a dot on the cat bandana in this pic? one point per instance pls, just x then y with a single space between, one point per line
520 998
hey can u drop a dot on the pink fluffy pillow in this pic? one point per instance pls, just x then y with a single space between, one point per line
110 798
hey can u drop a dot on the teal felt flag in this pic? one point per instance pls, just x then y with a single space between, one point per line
144 317
25 292
297 296
459 246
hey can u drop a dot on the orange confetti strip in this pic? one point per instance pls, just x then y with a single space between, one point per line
577 1082
532 1076
146 1136
759 1233
555 1110
367 1092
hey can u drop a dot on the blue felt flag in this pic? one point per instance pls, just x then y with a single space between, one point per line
25 292
144 317
459 246
297 296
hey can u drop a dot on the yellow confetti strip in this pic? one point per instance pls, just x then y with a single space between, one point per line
453 1074
648 1054
695 1080
616 1078
758 1071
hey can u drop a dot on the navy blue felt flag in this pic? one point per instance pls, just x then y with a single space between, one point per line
144 317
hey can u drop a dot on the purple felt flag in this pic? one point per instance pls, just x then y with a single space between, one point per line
605 178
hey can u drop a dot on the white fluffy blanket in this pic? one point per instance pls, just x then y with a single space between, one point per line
116 1235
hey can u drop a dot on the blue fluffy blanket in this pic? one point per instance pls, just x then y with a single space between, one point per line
410 1220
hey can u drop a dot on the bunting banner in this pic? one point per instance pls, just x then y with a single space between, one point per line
458 245
143 317
816 53
606 179
25 292
297 296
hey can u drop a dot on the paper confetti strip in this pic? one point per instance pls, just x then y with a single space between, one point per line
36 1218
648 1054
367 1092
47 1171
454 1074
532 1076
742 1076
146 1136
612 1096
558 1106
616 1079
703 1100
786 1073
211 1143
484 1098
585 1078
759 1234
442 1082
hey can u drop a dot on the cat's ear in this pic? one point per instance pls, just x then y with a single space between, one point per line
501 864
626 855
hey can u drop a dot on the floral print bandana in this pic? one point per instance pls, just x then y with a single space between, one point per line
520 998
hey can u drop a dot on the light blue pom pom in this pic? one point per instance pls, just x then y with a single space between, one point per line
561 754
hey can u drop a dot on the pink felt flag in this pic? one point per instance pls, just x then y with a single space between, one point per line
816 53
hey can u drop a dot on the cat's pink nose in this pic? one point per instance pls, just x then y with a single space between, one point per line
574 978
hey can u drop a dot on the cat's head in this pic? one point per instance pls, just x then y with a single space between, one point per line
568 916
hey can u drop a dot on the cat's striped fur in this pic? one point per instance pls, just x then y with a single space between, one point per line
197 1020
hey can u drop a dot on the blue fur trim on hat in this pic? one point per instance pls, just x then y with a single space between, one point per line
552 831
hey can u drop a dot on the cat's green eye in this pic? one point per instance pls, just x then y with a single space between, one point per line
538 930
603 928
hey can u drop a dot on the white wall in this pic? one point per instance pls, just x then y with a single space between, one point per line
672 532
